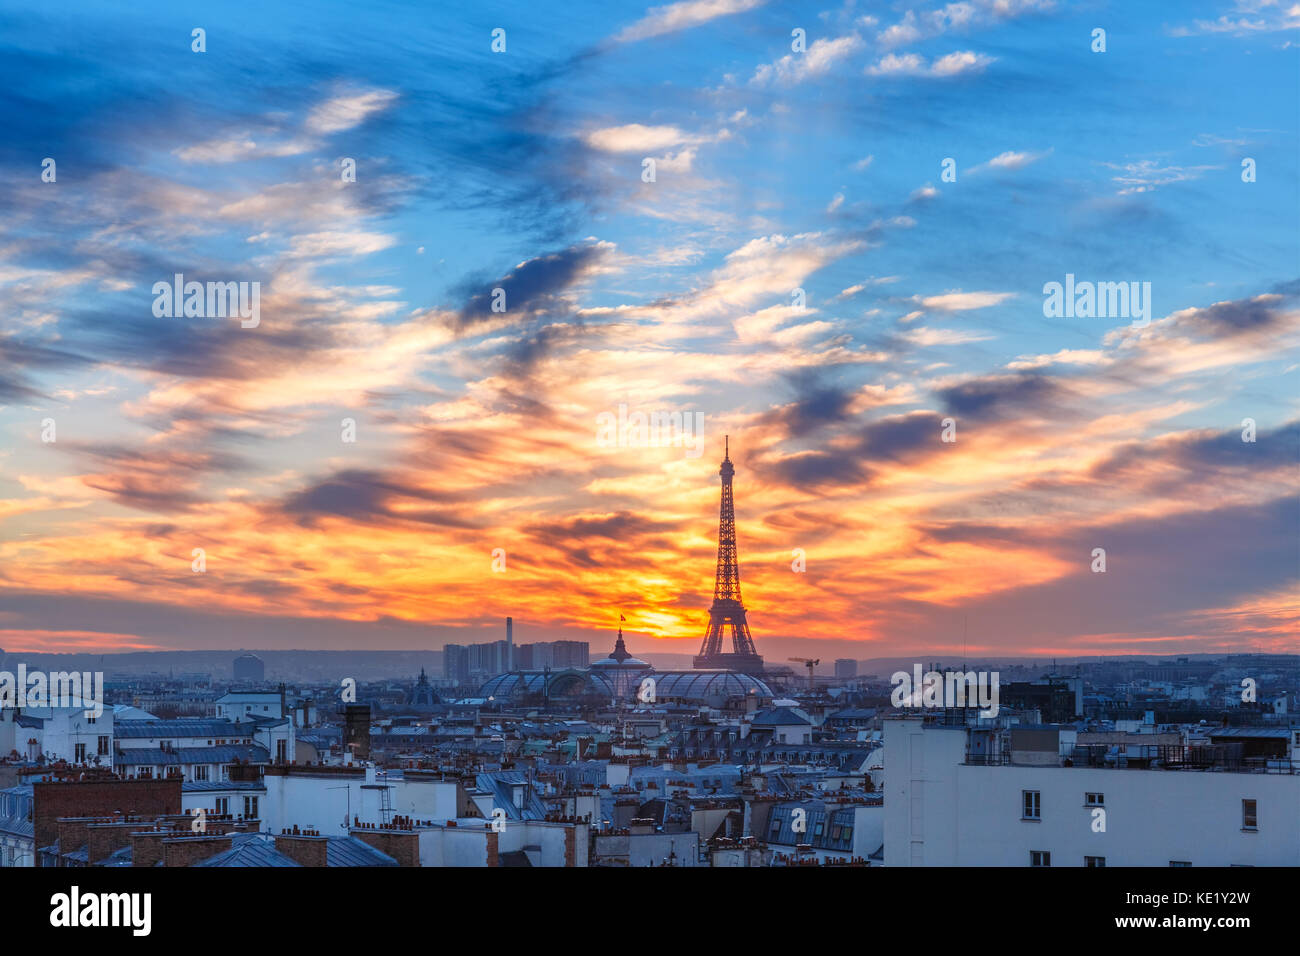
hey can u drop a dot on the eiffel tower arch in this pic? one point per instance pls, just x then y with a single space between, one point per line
727 614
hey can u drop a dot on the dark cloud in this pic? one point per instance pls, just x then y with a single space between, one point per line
150 479
533 286
848 461
817 470
16 355
590 541
996 397
1240 317
524 355
1204 455
129 334
902 438
371 497
14 388
816 404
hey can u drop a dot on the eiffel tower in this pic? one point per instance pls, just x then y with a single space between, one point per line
727 615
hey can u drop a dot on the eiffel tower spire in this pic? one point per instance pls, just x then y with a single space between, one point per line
727 614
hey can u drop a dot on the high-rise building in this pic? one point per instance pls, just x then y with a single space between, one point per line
552 655
455 662
846 668
249 667
486 660
570 654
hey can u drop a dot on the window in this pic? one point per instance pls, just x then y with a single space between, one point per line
91 720
281 751
1180 862
1040 858
1249 816
223 806
1094 799
250 808
101 745
1031 808
201 772
80 751
1094 861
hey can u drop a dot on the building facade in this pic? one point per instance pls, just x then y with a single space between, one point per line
951 801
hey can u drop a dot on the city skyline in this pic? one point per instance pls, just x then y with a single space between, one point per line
463 283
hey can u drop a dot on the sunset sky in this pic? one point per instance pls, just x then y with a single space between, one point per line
775 170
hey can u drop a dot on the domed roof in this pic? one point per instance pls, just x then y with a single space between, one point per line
620 659
708 684
556 683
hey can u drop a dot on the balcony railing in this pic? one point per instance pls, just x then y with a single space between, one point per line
1154 757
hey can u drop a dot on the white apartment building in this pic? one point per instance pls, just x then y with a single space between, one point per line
58 733
954 798
239 705
200 749
331 799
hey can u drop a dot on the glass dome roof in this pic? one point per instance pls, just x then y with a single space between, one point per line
704 685
562 684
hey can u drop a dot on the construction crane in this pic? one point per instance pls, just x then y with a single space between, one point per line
810 664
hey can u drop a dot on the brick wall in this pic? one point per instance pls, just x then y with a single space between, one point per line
305 850
99 798
402 845
146 847
493 856
186 851
103 838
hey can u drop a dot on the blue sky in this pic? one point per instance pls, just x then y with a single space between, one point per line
776 168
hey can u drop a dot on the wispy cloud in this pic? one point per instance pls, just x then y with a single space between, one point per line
912 64
682 16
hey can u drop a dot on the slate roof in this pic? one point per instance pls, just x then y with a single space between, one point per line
250 853
825 831
15 807
499 784
122 856
781 717
1250 733
210 786
147 756
853 713
350 851
180 727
